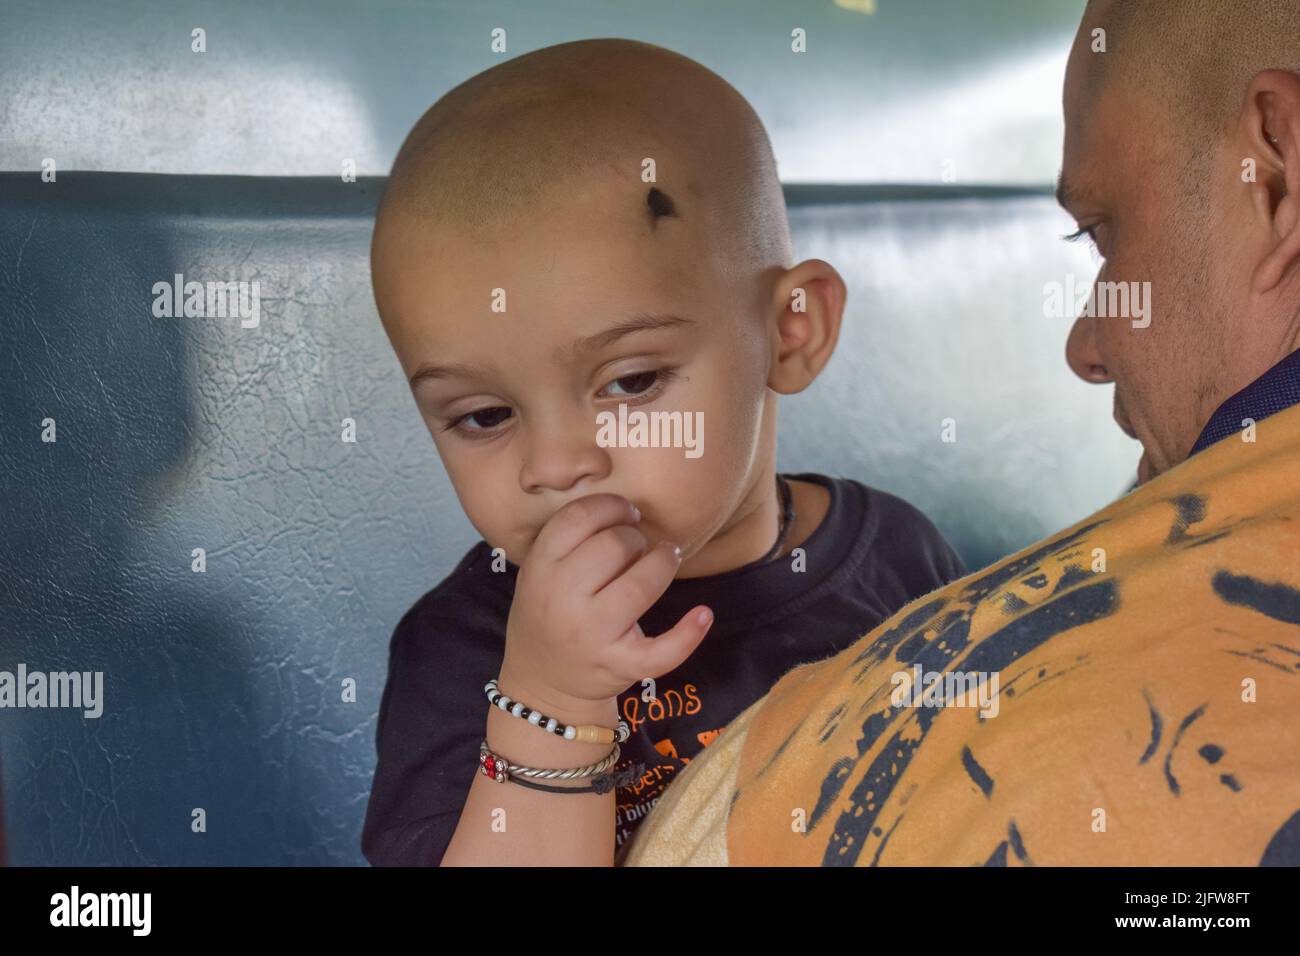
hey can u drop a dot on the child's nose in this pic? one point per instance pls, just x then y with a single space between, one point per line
558 457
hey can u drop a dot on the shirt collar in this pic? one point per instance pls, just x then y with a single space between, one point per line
1274 391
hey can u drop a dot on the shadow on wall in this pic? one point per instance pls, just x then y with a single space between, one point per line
96 577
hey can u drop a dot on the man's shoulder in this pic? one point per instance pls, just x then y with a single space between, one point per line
1162 621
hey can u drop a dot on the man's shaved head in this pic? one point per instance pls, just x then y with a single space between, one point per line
565 119
1195 56
1181 163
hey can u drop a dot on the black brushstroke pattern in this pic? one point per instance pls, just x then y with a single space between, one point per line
776 754
1262 660
1009 688
1278 601
1157 725
999 856
1015 843
1190 510
1018 637
881 849
878 649
977 773
993 654
1000 576
1013 605
832 783
1173 747
832 721
1018 845
1072 575
1284 848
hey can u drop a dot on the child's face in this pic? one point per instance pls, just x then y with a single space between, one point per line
514 416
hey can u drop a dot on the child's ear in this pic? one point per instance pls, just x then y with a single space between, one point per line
809 305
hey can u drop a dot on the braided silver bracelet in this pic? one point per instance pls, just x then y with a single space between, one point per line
498 767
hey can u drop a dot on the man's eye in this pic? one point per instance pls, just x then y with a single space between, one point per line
1089 231
1094 243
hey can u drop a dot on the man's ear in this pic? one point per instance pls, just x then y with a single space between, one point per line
809 305
1271 126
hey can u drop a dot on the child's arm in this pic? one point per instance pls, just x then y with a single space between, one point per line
511 825
572 646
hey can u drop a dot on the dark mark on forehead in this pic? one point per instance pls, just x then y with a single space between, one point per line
660 205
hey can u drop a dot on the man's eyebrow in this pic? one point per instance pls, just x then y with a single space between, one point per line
1066 191
592 343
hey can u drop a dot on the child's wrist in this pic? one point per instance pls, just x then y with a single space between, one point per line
565 708
528 746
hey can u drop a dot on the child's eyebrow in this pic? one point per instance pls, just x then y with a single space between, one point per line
456 370
640 323
592 343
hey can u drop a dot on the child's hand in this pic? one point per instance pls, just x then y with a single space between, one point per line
572 641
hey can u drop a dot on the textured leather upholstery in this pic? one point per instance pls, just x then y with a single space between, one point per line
224 690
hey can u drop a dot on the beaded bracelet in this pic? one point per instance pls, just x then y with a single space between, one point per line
585 733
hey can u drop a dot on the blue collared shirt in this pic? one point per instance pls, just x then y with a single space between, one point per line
1274 391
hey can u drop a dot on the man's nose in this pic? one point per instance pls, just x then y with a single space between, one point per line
1081 352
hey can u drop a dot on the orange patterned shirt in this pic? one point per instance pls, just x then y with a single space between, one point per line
1125 693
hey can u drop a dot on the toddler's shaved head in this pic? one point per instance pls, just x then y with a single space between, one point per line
545 127
595 229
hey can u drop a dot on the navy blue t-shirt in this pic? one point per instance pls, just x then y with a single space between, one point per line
872 554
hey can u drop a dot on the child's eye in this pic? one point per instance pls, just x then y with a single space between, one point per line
483 419
642 383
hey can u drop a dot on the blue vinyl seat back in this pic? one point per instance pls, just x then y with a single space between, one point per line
225 692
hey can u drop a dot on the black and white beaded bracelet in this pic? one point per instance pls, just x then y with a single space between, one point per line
586 733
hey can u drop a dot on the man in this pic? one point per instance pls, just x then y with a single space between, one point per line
1128 691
